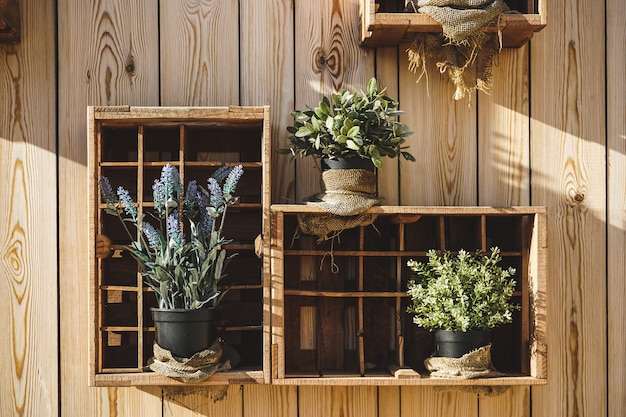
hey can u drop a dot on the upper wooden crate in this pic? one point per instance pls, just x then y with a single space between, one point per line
130 145
339 309
384 23
9 21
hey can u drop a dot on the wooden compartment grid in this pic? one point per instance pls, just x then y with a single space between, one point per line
349 325
130 145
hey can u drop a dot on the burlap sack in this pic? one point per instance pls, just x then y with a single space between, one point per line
475 364
348 193
465 50
195 369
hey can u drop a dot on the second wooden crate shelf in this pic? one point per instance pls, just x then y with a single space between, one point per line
339 308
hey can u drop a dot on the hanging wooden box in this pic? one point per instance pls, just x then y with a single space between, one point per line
384 22
10 24
130 145
339 308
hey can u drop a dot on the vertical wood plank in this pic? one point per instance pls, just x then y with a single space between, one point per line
28 266
387 76
267 77
389 401
430 401
444 145
503 134
568 160
199 53
327 59
200 67
444 142
515 402
504 172
203 401
108 55
616 201
267 401
324 401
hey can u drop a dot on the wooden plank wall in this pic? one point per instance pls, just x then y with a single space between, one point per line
28 198
553 132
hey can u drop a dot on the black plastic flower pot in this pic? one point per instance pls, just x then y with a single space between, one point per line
454 344
185 332
347 163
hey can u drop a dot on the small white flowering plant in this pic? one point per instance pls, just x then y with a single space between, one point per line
469 291
184 273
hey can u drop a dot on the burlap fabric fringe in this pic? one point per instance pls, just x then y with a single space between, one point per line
348 193
195 369
475 364
465 50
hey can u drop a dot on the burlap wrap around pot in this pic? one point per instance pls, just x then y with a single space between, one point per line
475 364
194 369
348 193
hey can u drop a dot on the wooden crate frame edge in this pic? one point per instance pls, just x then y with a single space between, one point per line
537 349
389 29
118 115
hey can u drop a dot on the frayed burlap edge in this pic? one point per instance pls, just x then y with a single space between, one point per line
465 50
195 369
475 364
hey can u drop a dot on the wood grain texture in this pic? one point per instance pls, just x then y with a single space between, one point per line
444 142
108 55
387 76
568 160
28 261
515 402
199 59
192 402
320 401
327 59
503 136
431 401
504 171
444 174
266 401
389 401
616 204
267 77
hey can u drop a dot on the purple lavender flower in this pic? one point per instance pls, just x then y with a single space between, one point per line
127 202
173 228
216 192
154 240
233 178
108 195
206 224
166 190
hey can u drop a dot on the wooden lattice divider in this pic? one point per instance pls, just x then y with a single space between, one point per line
449 228
132 144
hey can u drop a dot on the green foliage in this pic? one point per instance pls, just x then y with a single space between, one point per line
183 273
350 125
463 292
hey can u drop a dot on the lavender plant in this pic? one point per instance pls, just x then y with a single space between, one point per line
183 273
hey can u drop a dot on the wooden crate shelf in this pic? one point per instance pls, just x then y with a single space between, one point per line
350 326
384 22
130 145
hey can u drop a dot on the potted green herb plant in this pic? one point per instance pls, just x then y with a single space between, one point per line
359 127
184 273
461 297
